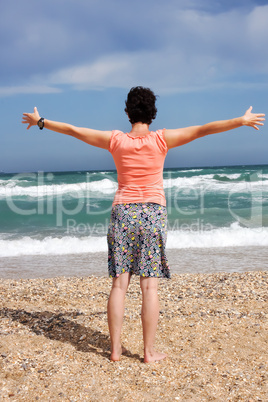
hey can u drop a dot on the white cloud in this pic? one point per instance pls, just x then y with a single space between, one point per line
27 89
110 70
132 68
200 51
189 50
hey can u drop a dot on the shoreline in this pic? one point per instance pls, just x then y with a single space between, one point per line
181 261
55 341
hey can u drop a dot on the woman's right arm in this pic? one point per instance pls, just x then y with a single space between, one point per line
181 136
93 137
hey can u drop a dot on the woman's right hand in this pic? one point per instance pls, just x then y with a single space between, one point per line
31 118
253 119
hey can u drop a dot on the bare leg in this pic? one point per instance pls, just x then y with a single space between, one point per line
115 310
149 316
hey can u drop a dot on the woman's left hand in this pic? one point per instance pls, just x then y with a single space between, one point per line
253 119
31 118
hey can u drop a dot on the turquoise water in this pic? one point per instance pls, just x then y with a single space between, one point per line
68 212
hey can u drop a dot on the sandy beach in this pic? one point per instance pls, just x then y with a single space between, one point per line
54 343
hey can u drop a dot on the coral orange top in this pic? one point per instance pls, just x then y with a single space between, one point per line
139 162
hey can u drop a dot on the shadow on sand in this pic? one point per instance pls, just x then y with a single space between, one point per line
61 327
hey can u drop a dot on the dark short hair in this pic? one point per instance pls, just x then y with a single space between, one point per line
140 105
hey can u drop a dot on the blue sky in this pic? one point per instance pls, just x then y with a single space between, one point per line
76 60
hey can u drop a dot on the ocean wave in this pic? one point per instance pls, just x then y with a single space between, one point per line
190 170
213 182
105 186
242 177
52 246
232 236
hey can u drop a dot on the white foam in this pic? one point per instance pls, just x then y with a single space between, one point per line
232 236
13 187
190 170
52 246
187 181
104 186
208 183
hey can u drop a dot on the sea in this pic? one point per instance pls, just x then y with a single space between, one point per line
55 223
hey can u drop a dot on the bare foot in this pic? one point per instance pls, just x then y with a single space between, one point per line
116 354
153 357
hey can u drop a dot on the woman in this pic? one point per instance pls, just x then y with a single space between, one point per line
137 229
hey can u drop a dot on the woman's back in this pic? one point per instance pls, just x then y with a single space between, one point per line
139 162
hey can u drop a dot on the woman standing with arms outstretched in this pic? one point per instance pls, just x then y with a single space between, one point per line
138 225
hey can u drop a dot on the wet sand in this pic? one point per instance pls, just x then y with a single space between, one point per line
198 260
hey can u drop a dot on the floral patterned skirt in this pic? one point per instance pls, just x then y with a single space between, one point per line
137 235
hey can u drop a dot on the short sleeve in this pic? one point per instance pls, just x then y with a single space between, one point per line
161 142
114 140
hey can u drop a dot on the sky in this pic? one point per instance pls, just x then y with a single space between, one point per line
75 60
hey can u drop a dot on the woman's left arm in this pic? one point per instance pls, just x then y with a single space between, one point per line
93 137
181 136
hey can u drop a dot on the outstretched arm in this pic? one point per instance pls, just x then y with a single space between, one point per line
96 138
181 136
